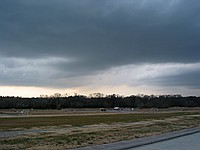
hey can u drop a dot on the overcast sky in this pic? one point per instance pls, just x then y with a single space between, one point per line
110 46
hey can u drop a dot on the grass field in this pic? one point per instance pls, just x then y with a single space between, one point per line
81 130
29 122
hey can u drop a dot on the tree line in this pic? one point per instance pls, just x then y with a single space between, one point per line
99 100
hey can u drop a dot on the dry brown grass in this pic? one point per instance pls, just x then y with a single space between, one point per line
100 129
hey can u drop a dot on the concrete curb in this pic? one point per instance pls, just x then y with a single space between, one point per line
122 145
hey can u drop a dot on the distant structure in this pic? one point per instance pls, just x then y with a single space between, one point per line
24 112
116 108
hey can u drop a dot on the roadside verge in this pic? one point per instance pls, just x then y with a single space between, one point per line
122 145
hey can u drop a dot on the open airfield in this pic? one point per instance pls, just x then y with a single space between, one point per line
72 128
82 55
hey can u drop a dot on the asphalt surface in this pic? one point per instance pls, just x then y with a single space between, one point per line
7 134
188 139
189 142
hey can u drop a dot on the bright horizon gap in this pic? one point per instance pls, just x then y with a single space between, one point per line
38 91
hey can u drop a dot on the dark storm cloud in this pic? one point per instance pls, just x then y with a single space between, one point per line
98 35
187 79
105 30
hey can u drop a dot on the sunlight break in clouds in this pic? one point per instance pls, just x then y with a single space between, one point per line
124 80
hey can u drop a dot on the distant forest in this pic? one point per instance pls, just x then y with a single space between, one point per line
99 100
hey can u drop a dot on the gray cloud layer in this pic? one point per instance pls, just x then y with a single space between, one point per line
93 35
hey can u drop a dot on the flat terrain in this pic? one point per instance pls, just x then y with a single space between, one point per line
71 128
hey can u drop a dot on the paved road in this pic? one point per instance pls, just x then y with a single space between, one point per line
189 142
188 139
7 134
